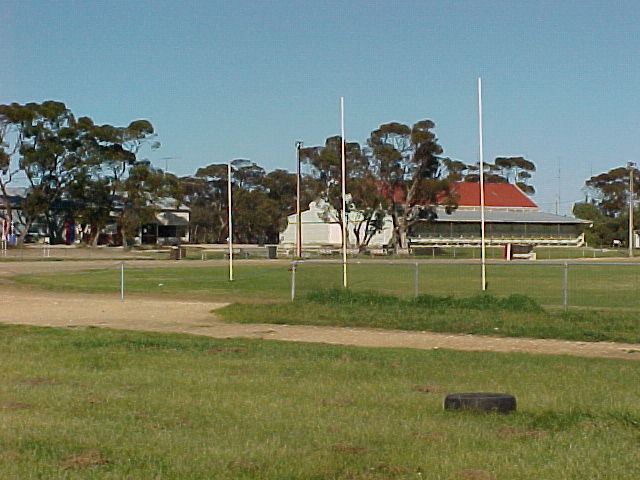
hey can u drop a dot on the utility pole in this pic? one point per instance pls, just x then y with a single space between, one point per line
298 212
631 166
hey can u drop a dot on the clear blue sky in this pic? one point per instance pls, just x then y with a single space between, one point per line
230 79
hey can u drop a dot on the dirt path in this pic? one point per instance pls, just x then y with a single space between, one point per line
41 308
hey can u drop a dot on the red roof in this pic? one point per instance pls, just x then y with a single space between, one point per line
495 195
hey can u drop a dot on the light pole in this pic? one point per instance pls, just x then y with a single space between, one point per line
631 166
298 213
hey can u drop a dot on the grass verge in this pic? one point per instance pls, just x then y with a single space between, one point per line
105 404
513 316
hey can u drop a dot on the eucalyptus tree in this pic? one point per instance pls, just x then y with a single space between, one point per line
49 148
323 179
407 163
112 155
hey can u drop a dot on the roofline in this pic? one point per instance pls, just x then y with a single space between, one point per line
494 206
551 222
526 196
535 205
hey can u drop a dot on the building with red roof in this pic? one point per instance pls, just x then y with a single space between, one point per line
496 195
510 217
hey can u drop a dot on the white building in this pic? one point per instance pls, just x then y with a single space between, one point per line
321 229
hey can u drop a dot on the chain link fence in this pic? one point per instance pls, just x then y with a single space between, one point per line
553 284
556 284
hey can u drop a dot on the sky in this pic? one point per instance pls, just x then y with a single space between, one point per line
221 80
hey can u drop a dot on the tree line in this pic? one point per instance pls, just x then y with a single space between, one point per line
75 168
606 204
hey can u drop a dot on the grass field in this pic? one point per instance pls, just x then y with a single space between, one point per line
103 404
589 285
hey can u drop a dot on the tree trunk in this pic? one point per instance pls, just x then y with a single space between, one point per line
400 235
25 232
7 203
94 242
404 243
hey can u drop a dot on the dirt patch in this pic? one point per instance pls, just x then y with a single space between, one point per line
219 350
38 381
393 470
10 456
472 474
428 388
88 459
349 449
73 310
14 406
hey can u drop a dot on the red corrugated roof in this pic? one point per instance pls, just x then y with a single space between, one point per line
495 195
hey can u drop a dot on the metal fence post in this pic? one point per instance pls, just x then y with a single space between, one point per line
122 282
565 286
416 279
293 281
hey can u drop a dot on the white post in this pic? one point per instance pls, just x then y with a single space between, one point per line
344 201
565 286
122 282
482 237
631 205
229 198
298 211
293 281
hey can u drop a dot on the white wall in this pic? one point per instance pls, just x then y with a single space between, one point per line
320 227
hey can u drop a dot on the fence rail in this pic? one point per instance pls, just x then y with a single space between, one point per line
563 284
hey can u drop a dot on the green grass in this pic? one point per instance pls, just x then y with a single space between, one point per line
105 404
253 283
608 296
590 286
513 316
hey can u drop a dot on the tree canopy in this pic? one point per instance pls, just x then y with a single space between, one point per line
607 205
78 169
